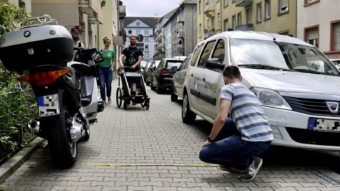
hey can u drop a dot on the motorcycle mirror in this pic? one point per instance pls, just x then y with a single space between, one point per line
97 56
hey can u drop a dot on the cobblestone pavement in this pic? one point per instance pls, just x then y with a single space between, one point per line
152 150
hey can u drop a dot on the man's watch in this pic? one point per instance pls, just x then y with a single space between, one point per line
210 139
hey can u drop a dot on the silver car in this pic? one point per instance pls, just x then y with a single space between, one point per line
296 83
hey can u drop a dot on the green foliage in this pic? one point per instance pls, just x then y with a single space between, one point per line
9 12
15 104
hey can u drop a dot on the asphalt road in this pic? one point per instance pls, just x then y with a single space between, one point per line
152 150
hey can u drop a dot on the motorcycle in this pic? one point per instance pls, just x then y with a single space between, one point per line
63 79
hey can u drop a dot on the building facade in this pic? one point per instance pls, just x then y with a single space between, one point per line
180 30
215 16
322 30
143 27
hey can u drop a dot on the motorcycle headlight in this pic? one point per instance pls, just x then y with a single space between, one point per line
271 98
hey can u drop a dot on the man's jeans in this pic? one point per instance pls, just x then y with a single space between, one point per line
230 150
105 78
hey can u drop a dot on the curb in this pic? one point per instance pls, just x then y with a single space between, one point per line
18 159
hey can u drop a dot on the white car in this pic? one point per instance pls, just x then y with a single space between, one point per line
296 83
336 62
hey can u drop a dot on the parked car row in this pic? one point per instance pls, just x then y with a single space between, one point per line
296 83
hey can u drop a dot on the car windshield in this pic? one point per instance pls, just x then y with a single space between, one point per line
279 56
170 64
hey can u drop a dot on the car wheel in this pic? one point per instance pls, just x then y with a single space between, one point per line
187 115
174 97
158 89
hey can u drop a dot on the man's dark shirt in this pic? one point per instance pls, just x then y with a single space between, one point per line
131 55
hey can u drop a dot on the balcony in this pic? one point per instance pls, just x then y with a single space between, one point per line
243 3
209 9
89 6
122 12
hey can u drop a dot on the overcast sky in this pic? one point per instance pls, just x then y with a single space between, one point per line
149 8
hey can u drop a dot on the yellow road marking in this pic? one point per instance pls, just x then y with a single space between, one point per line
122 164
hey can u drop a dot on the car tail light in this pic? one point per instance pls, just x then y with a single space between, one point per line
43 78
165 72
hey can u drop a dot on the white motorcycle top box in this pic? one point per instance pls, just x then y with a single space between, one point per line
37 44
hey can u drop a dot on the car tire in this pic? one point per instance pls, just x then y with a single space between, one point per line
158 89
187 115
174 97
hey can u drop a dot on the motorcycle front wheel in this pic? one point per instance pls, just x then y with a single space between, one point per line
63 150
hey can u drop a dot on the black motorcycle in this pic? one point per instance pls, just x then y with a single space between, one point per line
63 79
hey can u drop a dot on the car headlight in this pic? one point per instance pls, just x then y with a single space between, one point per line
271 98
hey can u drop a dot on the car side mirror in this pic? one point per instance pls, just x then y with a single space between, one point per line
213 64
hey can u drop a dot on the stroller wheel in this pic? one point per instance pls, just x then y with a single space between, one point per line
126 104
119 95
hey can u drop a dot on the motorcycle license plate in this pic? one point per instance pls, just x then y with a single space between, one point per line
48 105
325 125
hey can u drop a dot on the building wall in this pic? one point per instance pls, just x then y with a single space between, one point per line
320 14
190 30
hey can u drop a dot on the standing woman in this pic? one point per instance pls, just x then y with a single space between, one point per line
105 70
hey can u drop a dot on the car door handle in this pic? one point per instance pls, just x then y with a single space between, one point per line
203 79
192 75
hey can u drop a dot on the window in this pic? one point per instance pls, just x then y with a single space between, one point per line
310 2
146 47
226 25
312 36
199 7
233 22
196 54
335 36
248 15
267 9
219 20
138 24
258 12
283 6
146 32
137 32
206 53
146 39
226 3
219 51
239 19
129 32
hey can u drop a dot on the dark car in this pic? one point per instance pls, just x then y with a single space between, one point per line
150 70
176 89
162 76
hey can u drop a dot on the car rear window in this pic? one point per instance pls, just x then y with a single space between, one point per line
170 64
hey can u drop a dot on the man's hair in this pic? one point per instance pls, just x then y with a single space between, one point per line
232 72
133 36
105 39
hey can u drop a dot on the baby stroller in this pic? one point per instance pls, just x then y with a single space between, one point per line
133 88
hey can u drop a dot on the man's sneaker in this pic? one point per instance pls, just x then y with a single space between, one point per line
231 169
109 100
252 171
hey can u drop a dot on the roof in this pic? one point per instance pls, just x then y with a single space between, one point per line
150 21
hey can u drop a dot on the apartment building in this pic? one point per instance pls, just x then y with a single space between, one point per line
143 27
318 23
215 16
98 18
180 30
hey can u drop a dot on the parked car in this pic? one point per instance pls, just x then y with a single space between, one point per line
176 89
145 69
296 83
151 69
336 62
162 76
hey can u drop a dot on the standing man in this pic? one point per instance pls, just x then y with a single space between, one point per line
236 143
75 32
133 55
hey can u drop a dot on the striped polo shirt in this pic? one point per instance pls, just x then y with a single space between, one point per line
247 113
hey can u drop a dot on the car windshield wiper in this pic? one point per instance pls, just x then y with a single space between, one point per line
309 71
262 66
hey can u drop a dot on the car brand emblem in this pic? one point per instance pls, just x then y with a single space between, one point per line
333 106
27 34
30 51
